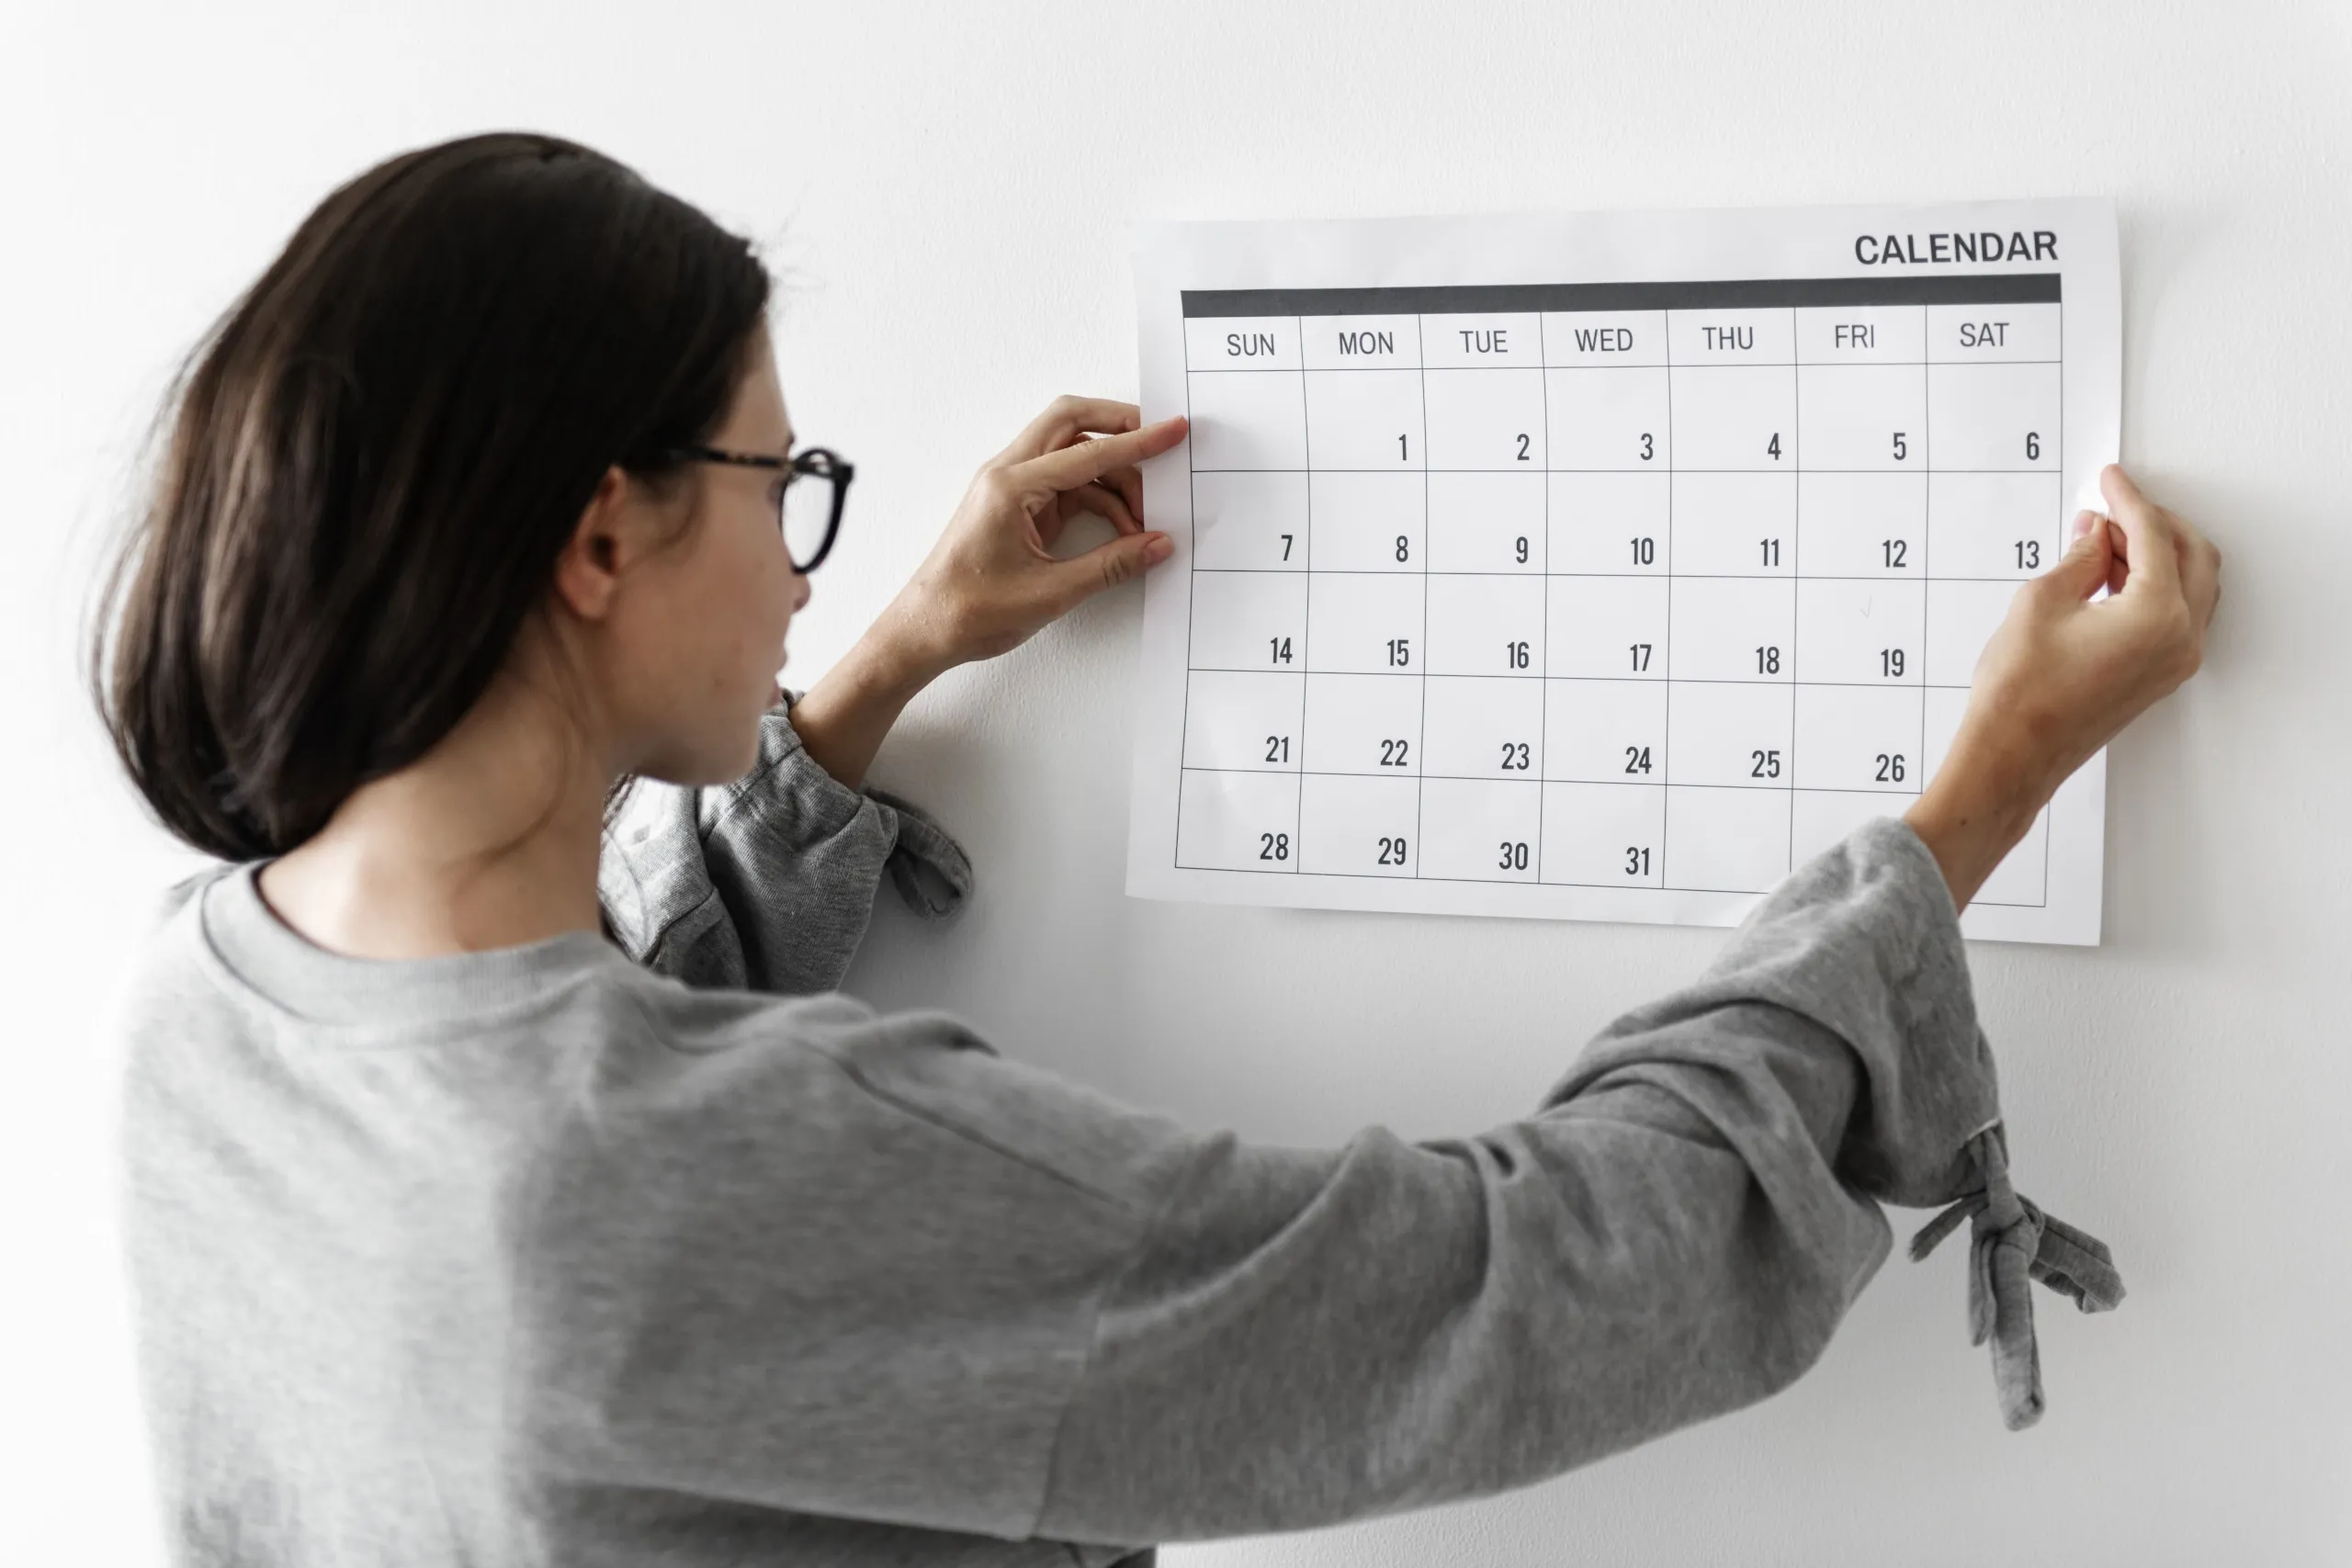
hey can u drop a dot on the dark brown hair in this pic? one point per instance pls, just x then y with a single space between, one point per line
374 458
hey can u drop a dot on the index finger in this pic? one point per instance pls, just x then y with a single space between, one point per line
2152 547
1073 466
1066 418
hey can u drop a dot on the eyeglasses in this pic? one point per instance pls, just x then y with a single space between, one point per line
816 485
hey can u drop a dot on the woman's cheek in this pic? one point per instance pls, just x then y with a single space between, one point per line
787 592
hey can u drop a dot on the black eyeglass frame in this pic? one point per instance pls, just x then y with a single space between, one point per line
817 462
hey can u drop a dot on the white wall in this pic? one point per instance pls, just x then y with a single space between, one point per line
950 187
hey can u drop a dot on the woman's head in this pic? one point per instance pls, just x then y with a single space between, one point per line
446 423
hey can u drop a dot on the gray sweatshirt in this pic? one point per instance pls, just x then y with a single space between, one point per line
590 1254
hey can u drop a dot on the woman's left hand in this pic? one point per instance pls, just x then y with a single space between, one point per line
993 580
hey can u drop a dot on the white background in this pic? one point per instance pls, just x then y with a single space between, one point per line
949 189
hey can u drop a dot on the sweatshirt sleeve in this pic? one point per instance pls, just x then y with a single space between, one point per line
768 883
1310 1336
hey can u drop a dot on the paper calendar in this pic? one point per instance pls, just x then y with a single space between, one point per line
1601 566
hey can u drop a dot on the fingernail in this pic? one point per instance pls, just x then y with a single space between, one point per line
2082 524
1158 547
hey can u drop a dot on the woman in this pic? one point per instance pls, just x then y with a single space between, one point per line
499 1201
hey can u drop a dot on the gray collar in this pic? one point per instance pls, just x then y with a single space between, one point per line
294 975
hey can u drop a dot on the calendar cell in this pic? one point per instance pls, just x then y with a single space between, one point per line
1823 818
1482 728
1249 620
1364 419
1861 334
1853 738
1241 342
1486 625
1362 343
1602 339
1613 418
1368 522
1736 416
1243 418
1964 332
1485 419
1493 340
1871 417
1996 525
1612 524
1608 628
1726 840
1351 826
1481 830
1735 524
1863 525
1604 835
1363 723
1729 629
1249 521
1605 731
1364 622
1241 720
1731 336
1861 632
1238 821
1491 522
1993 416
1728 734
1962 615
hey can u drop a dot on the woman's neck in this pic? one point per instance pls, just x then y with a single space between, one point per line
488 840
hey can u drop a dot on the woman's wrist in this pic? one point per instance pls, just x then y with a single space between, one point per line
1975 810
844 718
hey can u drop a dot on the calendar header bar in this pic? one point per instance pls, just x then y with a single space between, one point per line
1745 293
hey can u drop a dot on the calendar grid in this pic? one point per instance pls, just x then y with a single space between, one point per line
1796 576
1544 709
1926 549
1613 783
1688 680
1345 690
1421 727
1666 697
1647 468
2058 309
1628 576
1306 637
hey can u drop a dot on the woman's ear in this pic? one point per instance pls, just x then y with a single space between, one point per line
587 570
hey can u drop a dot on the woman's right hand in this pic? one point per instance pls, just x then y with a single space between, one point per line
2066 671
993 580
